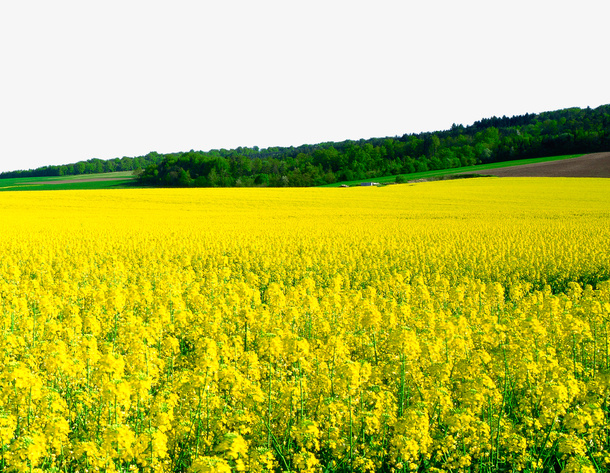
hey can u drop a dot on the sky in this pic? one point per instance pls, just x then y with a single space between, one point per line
103 79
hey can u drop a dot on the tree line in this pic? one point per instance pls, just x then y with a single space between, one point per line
567 131
91 166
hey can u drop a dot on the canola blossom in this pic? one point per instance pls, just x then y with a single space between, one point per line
458 326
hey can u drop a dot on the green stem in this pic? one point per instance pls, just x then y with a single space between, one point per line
269 410
301 388
351 435
401 397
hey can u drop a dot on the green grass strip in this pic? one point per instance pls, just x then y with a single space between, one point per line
446 172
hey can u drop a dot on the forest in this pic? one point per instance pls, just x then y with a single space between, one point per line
567 131
554 133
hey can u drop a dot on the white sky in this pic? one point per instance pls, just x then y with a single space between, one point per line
103 79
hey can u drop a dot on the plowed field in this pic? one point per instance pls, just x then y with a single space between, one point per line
590 165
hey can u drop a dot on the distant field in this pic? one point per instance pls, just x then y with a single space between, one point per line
576 165
461 170
114 180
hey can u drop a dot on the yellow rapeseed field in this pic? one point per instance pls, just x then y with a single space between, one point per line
436 327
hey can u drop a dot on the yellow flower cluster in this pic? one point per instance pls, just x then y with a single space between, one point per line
449 326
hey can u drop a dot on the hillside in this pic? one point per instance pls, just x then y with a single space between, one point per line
563 132
486 142
88 167
111 180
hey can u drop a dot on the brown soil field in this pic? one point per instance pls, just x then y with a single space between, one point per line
589 165
71 181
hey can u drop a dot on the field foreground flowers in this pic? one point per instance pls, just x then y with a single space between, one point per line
449 326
